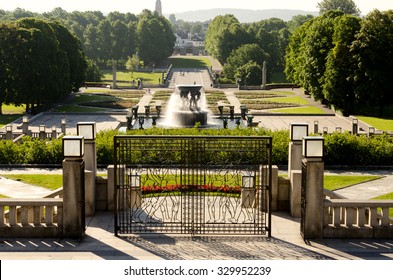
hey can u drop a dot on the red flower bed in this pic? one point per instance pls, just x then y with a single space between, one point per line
188 188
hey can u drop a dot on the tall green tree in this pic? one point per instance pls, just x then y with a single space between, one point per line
250 55
339 86
373 51
105 40
295 58
306 61
345 6
156 38
68 44
224 34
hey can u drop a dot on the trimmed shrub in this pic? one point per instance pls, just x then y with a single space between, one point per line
340 148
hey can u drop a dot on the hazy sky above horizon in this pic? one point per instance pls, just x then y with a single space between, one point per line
176 6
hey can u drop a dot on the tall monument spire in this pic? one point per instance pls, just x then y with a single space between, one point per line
159 7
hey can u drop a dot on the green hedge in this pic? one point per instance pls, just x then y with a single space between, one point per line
340 148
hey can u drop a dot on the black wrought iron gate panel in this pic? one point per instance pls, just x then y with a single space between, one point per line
192 185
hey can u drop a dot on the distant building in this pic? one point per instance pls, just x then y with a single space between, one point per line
158 7
186 44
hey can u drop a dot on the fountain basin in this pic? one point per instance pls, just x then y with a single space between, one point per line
183 118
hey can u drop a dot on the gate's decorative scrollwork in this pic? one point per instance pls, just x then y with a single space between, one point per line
192 185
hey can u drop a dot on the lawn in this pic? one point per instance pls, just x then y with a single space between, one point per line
307 110
78 109
55 181
49 181
10 114
149 78
7 118
378 123
388 196
290 99
335 182
190 62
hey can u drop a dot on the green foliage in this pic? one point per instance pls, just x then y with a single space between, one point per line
374 59
93 73
340 148
344 60
348 149
345 6
31 151
41 62
244 63
224 34
156 38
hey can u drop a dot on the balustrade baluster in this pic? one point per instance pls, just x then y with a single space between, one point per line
373 218
12 216
349 216
385 216
59 216
336 216
49 215
1 216
361 217
24 216
37 216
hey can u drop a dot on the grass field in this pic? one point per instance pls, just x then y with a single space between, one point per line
55 181
334 182
149 78
299 110
378 123
190 62
49 181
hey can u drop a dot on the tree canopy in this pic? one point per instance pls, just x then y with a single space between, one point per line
344 60
41 62
345 6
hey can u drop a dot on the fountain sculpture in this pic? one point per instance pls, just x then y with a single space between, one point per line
187 106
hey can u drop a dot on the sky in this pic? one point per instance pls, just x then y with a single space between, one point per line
176 6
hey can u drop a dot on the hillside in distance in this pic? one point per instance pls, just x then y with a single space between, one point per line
243 15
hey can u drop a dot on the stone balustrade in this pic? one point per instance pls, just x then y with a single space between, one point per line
38 217
347 218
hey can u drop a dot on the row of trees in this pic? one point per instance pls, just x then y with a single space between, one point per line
41 62
344 60
243 47
116 36
44 57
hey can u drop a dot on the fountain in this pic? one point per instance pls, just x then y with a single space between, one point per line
187 107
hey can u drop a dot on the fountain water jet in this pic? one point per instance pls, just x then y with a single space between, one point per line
186 107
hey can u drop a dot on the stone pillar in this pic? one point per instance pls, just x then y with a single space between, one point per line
25 125
90 176
111 187
312 198
274 188
114 70
9 134
73 197
295 193
294 156
264 73
63 126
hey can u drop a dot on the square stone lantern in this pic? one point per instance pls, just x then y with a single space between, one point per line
73 146
313 147
298 131
87 130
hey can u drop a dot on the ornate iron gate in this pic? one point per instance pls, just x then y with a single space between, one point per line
192 185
